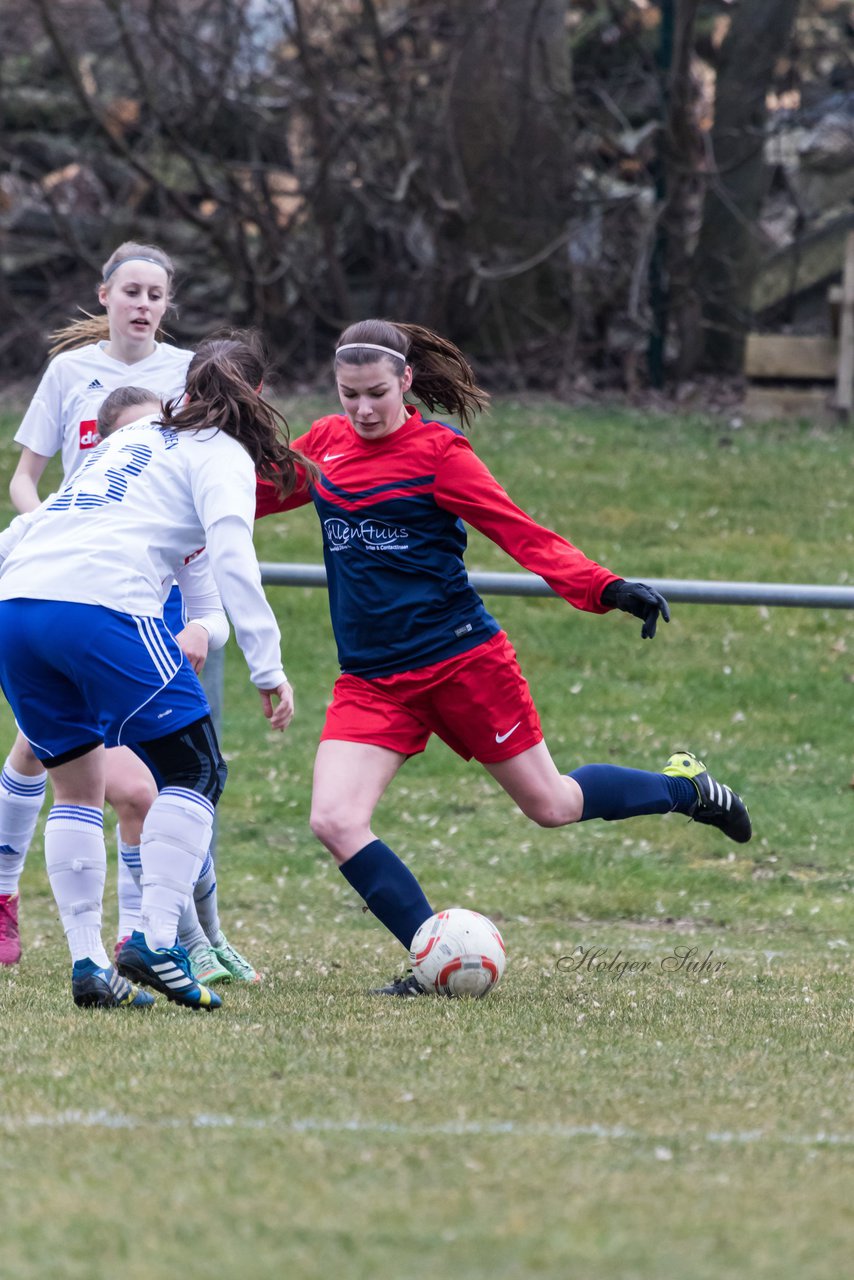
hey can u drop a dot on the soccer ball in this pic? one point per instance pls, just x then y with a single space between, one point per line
457 953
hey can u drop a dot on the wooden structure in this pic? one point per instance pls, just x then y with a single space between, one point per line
793 376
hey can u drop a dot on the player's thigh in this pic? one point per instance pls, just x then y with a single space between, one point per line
542 792
80 781
350 779
189 759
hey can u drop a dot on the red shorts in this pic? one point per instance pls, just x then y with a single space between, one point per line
477 702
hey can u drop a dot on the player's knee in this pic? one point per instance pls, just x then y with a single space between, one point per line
22 758
323 825
552 810
133 800
330 826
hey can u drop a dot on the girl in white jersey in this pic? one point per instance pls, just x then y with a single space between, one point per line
195 617
154 493
92 358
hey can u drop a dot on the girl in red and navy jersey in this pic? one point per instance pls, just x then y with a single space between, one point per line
419 652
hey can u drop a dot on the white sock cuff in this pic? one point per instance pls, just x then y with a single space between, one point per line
76 817
183 819
190 798
22 784
21 800
129 855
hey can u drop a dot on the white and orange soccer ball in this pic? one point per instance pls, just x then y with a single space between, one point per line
458 953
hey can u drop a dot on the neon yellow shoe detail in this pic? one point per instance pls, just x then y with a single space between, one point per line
717 805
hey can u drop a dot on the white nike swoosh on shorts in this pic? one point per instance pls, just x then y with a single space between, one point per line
502 737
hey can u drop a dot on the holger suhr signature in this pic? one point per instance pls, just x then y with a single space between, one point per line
683 960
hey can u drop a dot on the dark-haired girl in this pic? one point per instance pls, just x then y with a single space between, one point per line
419 653
154 492
195 616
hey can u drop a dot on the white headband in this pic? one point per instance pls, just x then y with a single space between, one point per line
370 346
133 257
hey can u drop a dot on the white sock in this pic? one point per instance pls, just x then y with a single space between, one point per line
175 837
207 906
76 859
21 798
190 932
129 888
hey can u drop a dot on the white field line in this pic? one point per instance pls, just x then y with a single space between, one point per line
369 1128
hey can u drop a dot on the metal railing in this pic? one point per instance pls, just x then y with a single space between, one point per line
677 590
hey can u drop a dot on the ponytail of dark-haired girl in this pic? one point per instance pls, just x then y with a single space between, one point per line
441 375
221 395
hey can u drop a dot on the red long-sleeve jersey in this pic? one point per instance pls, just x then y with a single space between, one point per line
392 513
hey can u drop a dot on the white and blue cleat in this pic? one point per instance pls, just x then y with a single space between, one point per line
167 970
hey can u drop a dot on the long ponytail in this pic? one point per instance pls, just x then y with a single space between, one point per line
223 392
441 375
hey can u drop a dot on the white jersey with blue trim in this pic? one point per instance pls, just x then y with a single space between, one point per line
63 413
192 594
140 507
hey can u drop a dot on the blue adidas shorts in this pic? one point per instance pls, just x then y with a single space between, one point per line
76 674
173 611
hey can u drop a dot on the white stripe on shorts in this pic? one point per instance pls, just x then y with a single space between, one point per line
154 643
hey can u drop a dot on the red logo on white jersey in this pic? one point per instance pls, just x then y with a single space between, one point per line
193 555
89 437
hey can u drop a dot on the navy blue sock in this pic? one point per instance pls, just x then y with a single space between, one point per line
389 888
612 792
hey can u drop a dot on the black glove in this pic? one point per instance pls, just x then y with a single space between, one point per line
640 600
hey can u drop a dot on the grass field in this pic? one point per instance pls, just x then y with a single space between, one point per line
655 1122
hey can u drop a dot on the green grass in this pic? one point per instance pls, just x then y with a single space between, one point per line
578 1122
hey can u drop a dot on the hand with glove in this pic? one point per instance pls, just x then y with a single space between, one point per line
638 599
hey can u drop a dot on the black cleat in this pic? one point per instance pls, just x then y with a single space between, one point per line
407 987
717 805
95 987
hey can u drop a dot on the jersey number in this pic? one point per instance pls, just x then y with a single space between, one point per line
113 481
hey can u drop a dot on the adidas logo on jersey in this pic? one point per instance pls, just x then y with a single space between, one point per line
89 437
94 385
